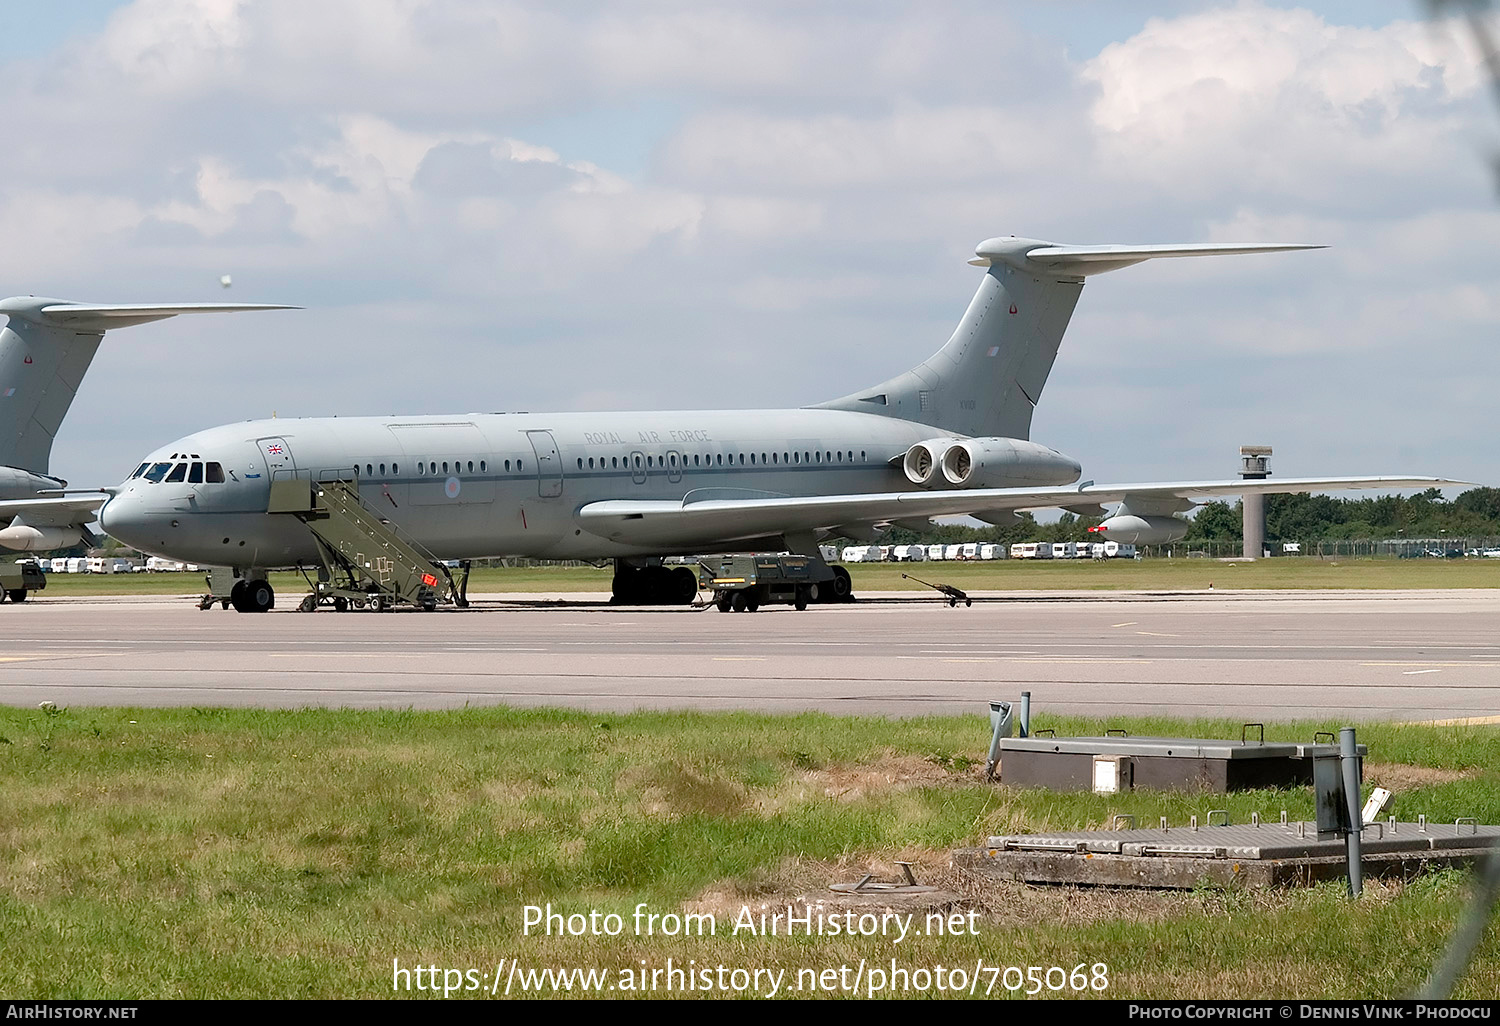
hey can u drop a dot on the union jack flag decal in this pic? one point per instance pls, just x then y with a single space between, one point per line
274 450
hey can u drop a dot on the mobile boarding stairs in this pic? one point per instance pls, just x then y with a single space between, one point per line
362 560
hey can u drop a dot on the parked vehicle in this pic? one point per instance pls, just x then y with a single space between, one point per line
19 579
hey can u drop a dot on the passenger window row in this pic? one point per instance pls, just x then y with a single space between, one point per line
671 462
434 468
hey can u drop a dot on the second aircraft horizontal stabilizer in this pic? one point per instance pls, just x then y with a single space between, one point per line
100 317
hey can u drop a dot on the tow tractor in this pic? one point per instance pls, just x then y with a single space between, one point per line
743 584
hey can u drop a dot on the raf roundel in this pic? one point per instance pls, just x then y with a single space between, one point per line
451 487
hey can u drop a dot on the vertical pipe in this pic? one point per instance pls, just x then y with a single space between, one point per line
1349 763
1024 727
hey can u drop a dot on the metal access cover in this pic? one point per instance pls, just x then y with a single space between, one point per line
1252 841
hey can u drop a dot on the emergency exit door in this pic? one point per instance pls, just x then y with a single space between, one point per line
549 470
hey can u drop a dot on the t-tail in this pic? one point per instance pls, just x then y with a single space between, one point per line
45 350
988 378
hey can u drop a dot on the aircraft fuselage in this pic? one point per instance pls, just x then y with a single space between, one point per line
509 484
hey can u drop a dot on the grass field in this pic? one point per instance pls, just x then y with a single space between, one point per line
218 853
1003 575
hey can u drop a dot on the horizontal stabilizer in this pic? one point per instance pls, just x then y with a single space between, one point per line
1086 260
61 313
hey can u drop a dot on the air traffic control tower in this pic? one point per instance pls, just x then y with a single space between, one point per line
1255 465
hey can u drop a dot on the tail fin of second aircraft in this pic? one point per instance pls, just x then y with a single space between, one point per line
988 378
45 351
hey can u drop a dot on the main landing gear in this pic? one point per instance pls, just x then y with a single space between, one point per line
653 585
246 596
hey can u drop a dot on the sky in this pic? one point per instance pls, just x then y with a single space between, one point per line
644 205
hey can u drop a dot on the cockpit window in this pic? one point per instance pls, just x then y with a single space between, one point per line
178 473
139 471
195 474
215 473
158 472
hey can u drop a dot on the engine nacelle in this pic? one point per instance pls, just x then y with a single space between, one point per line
1130 529
1006 463
921 461
18 484
22 537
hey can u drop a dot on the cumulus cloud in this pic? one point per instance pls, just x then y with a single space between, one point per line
1254 100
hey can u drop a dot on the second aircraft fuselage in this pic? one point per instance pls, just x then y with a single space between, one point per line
509 484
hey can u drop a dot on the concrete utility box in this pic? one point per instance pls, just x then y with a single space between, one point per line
1162 763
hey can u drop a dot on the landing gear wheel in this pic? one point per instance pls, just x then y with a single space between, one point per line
308 604
724 601
237 597
841 588
340 604
684 585
739 602
259 597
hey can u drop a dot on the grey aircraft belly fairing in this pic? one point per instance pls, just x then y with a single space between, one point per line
45 351
950 436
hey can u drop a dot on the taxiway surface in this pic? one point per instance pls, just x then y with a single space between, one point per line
1248 655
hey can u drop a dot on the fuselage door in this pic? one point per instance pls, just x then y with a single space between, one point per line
549 476
278 457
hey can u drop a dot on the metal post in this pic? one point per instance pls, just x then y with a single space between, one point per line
1024 726
1349 763
1000 724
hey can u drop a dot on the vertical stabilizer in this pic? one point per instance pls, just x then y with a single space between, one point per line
45 350
988 378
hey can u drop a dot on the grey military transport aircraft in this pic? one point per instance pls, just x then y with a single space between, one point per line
45 350
950 436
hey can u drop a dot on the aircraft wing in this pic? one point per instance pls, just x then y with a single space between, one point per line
54 512
716 519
